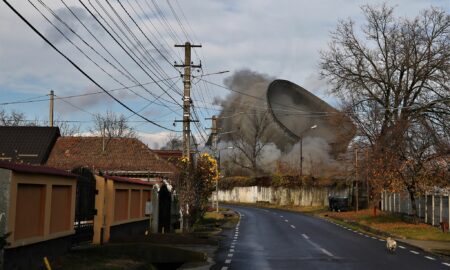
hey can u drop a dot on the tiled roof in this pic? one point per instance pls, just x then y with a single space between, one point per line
24 168
128 180
118 154
169 154
30 145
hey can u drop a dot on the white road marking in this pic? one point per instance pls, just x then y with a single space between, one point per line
402 247
374 238
430 258
224 268
446 264
281 216
231 250
381 240
286 220
366 236
230 255
326 252
293 227
414 252
227 261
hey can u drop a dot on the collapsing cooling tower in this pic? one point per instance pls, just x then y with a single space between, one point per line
295 110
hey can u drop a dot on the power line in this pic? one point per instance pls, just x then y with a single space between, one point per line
81 51
77 67
31 100
127 51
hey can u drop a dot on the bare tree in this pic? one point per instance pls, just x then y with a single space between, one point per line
249 142
13 118
112 125
174 142
67 129
394 79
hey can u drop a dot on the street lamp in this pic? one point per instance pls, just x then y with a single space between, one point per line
217 180
301 148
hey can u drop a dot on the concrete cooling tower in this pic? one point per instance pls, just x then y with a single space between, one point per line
295 110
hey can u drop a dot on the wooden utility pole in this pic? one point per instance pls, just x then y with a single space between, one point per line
301 157
187 96
367 178
52 102
356 180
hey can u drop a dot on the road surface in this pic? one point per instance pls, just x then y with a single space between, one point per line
277 239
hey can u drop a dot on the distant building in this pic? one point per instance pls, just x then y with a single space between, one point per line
127 157
169 155
29 145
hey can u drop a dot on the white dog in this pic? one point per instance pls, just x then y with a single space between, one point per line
391 244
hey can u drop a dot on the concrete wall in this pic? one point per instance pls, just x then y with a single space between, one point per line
114 210
5 187
313 196
34 235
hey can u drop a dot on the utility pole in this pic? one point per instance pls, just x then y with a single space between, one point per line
356 179
52 102
187 96
367 178
214 145
301 156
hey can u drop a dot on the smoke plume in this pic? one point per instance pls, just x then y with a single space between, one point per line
245 112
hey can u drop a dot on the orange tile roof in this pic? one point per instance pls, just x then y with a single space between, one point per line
120 154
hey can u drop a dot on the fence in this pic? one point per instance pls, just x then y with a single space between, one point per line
431 208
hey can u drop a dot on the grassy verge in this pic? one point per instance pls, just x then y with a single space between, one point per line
213 221
294 208
389 224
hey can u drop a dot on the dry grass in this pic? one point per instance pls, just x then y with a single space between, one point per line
302 209
393 225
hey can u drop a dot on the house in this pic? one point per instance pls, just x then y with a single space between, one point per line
29 145
169 155
126 157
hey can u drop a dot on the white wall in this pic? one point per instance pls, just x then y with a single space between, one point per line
313 196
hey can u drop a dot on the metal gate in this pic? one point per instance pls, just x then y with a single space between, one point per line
84 206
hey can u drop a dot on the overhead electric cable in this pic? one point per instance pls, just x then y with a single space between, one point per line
78 68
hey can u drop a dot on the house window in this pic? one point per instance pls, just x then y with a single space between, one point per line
121 205
135 208
30 211
61 208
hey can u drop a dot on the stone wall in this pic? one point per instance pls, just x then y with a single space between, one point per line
311 196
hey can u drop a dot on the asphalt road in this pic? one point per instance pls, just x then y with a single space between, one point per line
277 239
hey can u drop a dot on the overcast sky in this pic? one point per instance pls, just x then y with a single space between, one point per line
280 38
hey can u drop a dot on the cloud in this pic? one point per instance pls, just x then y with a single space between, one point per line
154 140
70 21
281 38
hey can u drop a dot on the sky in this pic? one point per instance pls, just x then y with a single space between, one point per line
280 38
